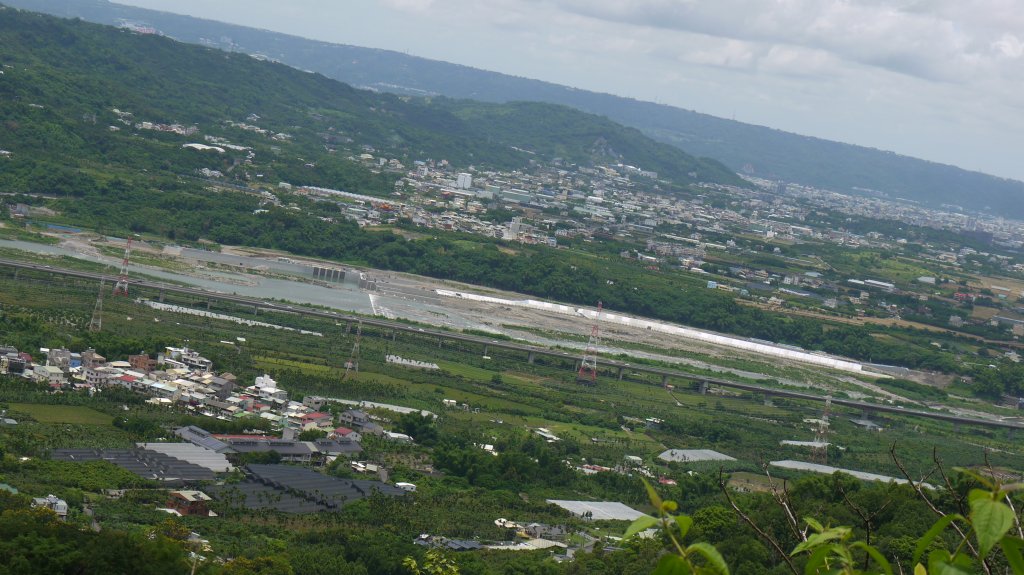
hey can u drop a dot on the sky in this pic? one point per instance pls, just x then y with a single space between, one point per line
941 80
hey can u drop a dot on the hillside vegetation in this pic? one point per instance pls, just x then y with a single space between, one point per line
64 78
767 152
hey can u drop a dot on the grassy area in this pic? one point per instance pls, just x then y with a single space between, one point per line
274 363
11 231
62 414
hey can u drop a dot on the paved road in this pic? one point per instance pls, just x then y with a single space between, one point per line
529 351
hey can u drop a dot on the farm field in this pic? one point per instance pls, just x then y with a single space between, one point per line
74 414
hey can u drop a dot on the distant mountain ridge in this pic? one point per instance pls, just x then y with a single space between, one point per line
757 150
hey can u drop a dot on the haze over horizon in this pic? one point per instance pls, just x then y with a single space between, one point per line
938 79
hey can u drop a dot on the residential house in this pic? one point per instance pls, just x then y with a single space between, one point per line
11 362
50 374
345 433
354 418
189 503
59 358
317 420
397 437
53 503
185 358
142 362
98 376
360 421
314 402
542 531
92 359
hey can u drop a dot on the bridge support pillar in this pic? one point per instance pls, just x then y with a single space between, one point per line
703 388
768 401
161 296
486 349
530 357
394 333
620 373
208 304
664 380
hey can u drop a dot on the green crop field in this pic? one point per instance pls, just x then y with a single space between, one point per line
62 414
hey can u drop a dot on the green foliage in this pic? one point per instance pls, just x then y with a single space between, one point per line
93 476
698 558
420 427
911 389
833 550
35 541
435 562
312 435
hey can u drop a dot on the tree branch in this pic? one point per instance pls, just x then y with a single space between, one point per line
783 501
920 492
746 519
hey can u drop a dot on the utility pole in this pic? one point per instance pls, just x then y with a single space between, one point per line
353 359
587 374
96 323
121 287
821 437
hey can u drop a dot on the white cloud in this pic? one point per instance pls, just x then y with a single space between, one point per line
416 6
938 40
1009 46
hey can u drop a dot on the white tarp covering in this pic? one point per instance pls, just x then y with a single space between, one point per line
599 510
829 470
692 455
676 330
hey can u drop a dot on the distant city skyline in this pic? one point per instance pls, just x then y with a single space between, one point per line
935 79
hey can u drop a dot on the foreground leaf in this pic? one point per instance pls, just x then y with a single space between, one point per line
672 564
640 524
684 522
711 556
926 540
880 559
991 520
940 562
1012 551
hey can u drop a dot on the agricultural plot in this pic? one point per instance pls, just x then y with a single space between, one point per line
74 414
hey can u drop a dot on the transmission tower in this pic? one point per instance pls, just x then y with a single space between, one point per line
96 323
121 287
820 453
353 360
587 374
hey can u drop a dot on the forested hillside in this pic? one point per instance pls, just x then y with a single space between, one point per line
63 79
766 152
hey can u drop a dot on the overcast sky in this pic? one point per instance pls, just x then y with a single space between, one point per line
937 79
